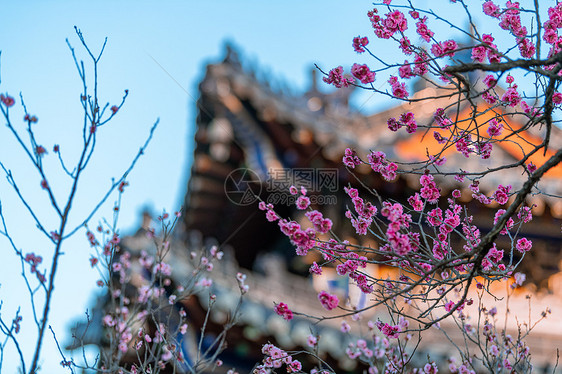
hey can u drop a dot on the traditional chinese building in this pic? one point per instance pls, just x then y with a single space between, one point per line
254 141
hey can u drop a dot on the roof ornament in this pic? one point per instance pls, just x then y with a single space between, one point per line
313 81
231 55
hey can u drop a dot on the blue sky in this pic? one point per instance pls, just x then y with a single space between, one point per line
156 50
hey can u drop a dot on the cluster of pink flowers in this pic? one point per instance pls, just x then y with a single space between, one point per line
363 73
534 111
463 145
359 43
442 119
502 194
381 165
384 28
486 49
315 268
420 63
214 251
304 240
321 225
416 202
398 88
118 322
406 46
476 194
405 71
283 310
390 331
484 149
365 212
525 214
122 265
519 279
350 263
166 270
451 305
531 168
511 97
491 9
275 359
7 100
351 267
429 190
552 25
359 349
439 138
406 119
463 368
91 238
524 245
337 78
435 217
452 219
241 279
145 260
493 257
40 151
350 158
446 48
441 247
110 245
494 128
397 241
395 22
508 225
303 201
526 48
422 29
34 261
490 81
510 19
328 301
30 118
269 212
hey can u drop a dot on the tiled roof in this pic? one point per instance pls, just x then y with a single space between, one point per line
329 122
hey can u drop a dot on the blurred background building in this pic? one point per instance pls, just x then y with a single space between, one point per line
255 141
